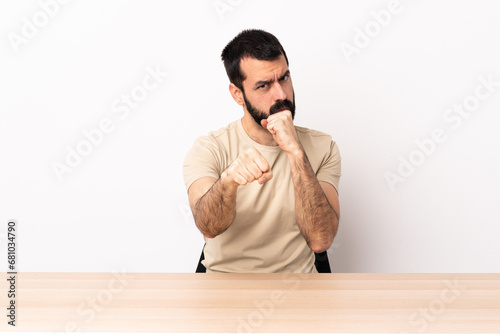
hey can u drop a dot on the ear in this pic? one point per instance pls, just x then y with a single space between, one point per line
237 94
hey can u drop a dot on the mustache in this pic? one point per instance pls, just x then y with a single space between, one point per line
281 104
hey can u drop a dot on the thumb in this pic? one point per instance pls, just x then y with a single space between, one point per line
266 177
264 123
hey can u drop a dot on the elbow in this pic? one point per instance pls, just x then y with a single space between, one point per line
320 246
208 235
323 240
208 232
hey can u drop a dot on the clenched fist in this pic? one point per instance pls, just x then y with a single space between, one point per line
248 167
280 125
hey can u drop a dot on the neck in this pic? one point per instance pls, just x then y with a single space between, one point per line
256 131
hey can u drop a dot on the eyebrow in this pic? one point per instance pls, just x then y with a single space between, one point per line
265 82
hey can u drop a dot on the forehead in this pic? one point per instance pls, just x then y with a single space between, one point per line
256 70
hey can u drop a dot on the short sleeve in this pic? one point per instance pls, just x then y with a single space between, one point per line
203 159
329 171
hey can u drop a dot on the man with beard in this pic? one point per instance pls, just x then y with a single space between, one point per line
263 191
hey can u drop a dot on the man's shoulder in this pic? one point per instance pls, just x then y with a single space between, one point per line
219 136
313 135
317 144
228 129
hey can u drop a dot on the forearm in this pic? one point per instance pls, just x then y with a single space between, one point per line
316 218
214 211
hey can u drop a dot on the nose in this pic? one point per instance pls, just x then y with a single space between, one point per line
278 92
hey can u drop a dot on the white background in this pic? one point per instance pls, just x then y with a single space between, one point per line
124 206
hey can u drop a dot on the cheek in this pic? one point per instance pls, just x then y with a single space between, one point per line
263 102
288 89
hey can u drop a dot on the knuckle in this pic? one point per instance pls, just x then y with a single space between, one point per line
264 163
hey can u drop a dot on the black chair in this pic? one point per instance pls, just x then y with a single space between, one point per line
201 268
321 263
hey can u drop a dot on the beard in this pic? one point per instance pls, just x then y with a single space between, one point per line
258 115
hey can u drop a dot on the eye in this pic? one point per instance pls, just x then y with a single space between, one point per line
285 77
262 86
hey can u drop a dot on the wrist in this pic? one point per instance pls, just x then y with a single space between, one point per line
227 183
296 152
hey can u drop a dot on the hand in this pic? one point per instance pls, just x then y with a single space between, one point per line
281 127
248 167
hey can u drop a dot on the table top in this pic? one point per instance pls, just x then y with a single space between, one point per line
253 303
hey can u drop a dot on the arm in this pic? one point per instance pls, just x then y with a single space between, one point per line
316 204
213 202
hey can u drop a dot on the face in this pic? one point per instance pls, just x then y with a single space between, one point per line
259 115
267 88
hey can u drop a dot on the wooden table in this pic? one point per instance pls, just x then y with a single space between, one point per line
284 303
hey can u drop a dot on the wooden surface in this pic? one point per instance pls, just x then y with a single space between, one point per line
286 303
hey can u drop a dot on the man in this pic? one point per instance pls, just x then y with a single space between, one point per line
263 192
